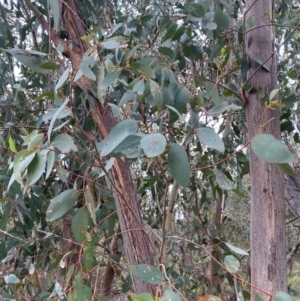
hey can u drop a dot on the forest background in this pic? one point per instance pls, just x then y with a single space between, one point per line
136 136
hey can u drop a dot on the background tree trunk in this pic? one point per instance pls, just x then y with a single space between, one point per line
268 247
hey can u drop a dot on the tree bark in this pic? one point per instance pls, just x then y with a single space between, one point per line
267 237
136 242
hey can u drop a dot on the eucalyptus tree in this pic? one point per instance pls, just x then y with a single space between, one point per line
113 165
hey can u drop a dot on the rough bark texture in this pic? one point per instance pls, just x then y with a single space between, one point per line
268 251
292 194
135 239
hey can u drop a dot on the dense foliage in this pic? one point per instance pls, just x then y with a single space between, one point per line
173 74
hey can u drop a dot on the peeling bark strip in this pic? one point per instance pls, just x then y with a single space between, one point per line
267 238
136 242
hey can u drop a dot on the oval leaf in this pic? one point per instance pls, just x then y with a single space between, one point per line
109 79
142 297
282 296
236 249
141 68
122 130
210 138
64 143
61 204
80 224
231 263
149 273
270 149
222 180
179 164
11 278
153 145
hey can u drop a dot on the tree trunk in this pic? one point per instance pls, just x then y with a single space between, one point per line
136 242
267 237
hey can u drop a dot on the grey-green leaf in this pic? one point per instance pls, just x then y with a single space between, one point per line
231 263
149 273
222 180
281 296
210 138
109 79
61 204
56 6
122 130
65 143
270 149
86 64
179 164
50 163
11 278
80 224
35 170
236 249
153 144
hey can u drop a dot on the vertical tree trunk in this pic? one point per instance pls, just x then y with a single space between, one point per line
267 238
136 242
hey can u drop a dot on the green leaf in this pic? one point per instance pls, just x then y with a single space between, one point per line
211 25
65 143
49 65
141 68
157 95
99 81
35 170
258 61
80 224
110 79
179 33
231 263
249 23
139 87
169 294
122 130
11 278
115 110
62 79
90 204
61 204
281 296
273 93
166 51
128 96
236 249
87 63
210 138
222 107
195 9
132 51
153 144
30 58
55 116
171 31
142 297
47 94
270 149
222 180
56 8
114 42
50 163
12 145
149 273
287 169
129 147
179 164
